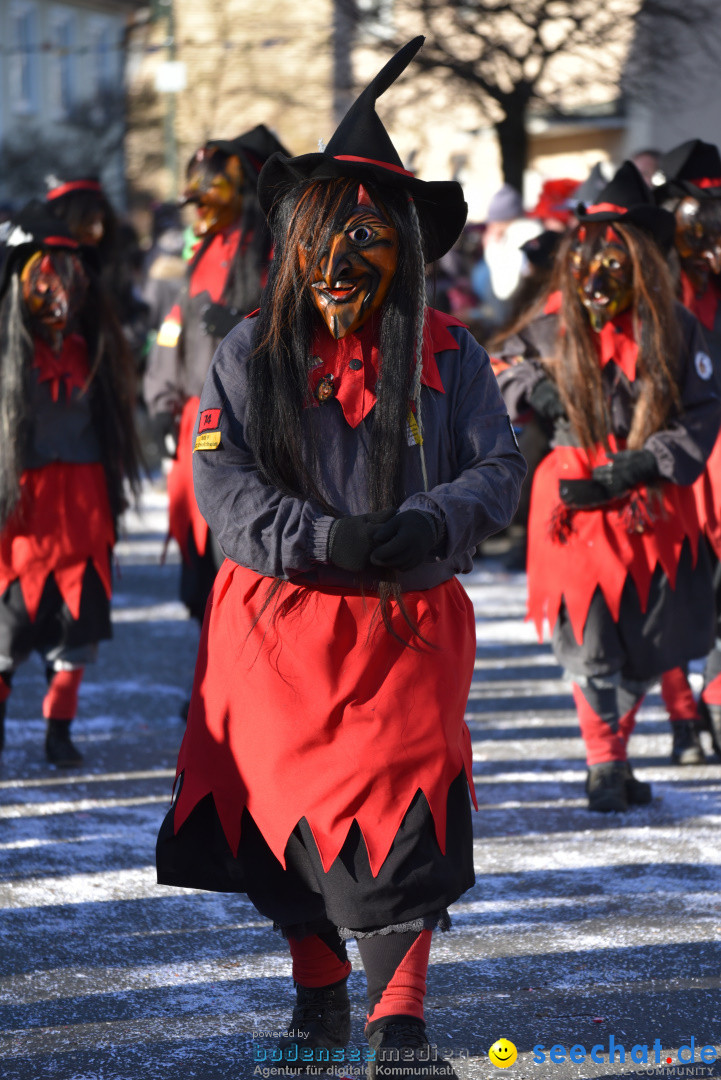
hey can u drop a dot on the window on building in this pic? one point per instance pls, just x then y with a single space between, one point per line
104 58
24 67
65 58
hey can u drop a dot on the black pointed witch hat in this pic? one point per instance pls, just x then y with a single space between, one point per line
693 168
33 229
361 148
253 147
627 198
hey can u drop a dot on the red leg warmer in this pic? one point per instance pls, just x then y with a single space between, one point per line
677 695
61 700
712 692
404 993
628 721
316 964
602 743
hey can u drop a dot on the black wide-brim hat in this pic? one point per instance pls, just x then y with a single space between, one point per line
361 149
33 229
627 200
253 147
693 168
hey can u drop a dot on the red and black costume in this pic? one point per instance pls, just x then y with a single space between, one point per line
67 401
622 578
326 765
225 277
692 175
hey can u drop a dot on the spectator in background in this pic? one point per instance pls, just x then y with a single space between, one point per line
164 263
646 161
497 275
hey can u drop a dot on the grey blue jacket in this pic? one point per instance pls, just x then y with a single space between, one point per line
473 464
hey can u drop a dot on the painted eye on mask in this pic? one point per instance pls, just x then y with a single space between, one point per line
361 235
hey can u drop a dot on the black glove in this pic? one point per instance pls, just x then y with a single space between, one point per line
218 320
626 470
352 539
545 401
583 494
405 541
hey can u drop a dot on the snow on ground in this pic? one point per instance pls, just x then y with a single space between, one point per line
580 926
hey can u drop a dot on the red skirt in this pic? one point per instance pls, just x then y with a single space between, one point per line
707 492
571 554
184 517
321 714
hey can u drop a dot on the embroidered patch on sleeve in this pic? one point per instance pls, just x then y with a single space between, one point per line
209 441
704 365
168 334
209 418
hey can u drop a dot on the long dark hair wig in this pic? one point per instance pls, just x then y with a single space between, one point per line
575 367
110 386
307 216
244 283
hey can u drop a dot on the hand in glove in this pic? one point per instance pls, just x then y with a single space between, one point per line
405 541
583 494
218 320
352 539
626 470
545 401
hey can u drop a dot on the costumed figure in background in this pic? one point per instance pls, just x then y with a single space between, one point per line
224 281
67 445
691 190
111 248
615 558
351 451
534 434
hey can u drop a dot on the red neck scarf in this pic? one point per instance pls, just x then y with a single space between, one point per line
355 362
70 365
702 305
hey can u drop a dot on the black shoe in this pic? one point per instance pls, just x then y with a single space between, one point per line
686 749
710 716
323 1015
59 747
638 792
401 1049
606 787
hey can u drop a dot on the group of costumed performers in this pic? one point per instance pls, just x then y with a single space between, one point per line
616 559
351 451
690 187
224 280
68 445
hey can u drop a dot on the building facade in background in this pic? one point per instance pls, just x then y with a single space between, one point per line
131 90
62 92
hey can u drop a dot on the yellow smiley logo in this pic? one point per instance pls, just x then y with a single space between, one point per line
503 1053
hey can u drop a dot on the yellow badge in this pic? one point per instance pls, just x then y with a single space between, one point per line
168 334
209 440
413 432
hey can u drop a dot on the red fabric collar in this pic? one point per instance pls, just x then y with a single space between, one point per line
210 273
70 365
354 386
616 342
703 306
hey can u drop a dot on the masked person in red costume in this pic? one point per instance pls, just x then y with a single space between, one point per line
224 282
351 451
68 444
616 563
690 187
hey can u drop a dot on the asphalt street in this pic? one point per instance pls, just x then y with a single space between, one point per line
581 929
